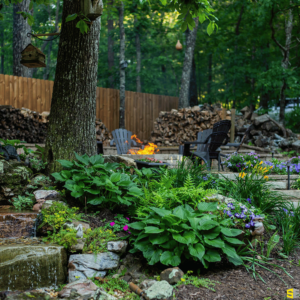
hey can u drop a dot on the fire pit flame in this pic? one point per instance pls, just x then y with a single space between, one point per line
150 148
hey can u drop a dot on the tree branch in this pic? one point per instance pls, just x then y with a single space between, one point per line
273 32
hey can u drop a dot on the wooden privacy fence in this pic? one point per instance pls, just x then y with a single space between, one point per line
140 113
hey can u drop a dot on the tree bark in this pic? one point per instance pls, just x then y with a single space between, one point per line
122 67
110 44
73 107
285 50
193 86
2 49
138 56
20 38
187 67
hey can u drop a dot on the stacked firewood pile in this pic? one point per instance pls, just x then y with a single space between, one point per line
31 126
174 127
265 132
17 124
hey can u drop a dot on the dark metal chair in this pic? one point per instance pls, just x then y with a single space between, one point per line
100 148
208 150
122 140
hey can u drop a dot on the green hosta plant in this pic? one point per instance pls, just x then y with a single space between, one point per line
98 182
168 235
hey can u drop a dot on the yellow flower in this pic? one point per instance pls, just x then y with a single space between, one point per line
242 175
261 163
266 177
182 279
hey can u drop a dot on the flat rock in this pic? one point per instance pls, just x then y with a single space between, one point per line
117 247
46 194
147 283
83 266
129 162
82 287
160 290
171 275
296 145
261 119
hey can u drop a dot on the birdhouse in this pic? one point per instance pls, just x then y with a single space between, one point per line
32 57
92 8
178 45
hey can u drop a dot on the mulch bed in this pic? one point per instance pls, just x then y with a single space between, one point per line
238 284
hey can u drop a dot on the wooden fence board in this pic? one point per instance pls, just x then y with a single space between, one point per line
141 109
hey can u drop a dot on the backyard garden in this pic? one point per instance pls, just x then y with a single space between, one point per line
176 233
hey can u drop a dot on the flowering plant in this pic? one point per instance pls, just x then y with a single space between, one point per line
238 162
280 167
150 159
119 224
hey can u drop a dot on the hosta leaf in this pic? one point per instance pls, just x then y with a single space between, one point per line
185 226
231 231
141 236
194 222
66 174
197 250
212 256
115 177
125 183
232 255
171 220
227 222
189 236
158 239
213 233
171 244
96 201
180 212
84 159
207 206
77 194
179 238
137 225
58 177
207 225
142 245
152 221
153 229
96 159
233 241
217 243
134 191
168 258
92 191
155 257
65 163
160 211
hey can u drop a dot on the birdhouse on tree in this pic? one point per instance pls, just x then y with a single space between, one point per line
32 57
92 8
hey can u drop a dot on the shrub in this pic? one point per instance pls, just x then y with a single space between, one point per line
91 178
167 236
238 162
23 202
64 237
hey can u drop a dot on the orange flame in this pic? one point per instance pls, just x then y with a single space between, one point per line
148 149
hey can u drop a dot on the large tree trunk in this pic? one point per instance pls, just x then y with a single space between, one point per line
122 67
187 67
110 44
138 56
2 49
73 107
20 38
193 86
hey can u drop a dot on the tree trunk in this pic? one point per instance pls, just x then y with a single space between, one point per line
110 45
138 56
20 38
2 49
73 108
187 67
193 86
122 67
285 62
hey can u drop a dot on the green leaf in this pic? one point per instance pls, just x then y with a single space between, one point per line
217 243
58 177
171 244
227 222
96 159
213 233
179 238
115 177
232 255
231 231
124 183
155 256
84 159
153 229
233 241
65 163
96 201
160 211
31 5
210 28
159 239
194 222
66 174
168 258
82 26
137 225
197 250
135 191
142 245
207 224
71 17
1 17
152 221
189 236
180 212
212 256
207 206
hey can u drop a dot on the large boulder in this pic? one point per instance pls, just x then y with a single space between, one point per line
160 290
171 275
25 267
83 266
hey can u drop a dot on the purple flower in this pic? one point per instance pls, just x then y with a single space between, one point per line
292 214
128 219
249 200
125 227
237 215
112 223
248 225
243 216
205 178
230 205
229 214
251 223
